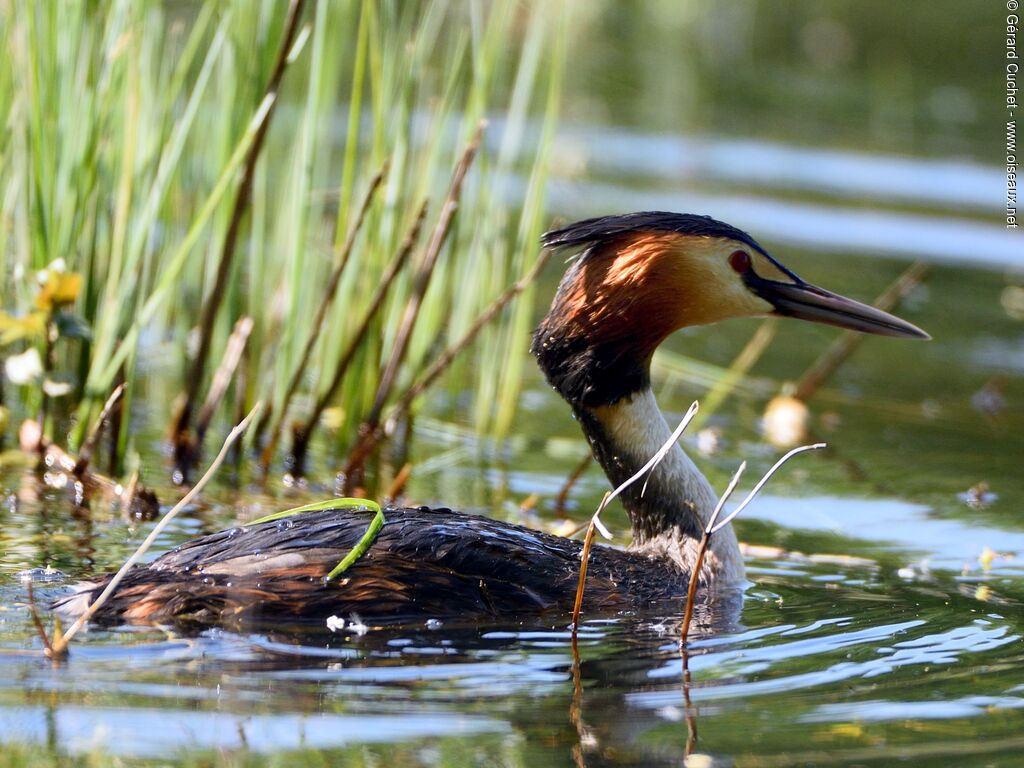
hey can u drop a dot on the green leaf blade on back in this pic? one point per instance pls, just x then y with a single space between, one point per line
361 547
363 505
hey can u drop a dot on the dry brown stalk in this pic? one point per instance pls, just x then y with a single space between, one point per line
59 647
128 497
89 445
563 495
588 542
702 548
444 360
423 275
40 629
399 483
373 308
576 708
333 281
369 439
185 451
529 503
225 371
836 353
114 423
691 714
421 282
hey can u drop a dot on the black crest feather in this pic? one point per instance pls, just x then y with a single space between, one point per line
603 228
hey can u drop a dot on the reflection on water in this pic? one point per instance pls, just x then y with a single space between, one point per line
142 732
959 185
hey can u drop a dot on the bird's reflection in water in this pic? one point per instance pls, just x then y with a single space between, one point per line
451 668
650 651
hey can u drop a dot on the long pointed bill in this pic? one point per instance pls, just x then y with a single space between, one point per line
809 302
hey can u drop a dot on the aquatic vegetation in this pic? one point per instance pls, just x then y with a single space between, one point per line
195 170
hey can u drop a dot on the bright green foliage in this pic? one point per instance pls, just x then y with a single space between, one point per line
316 506
128 122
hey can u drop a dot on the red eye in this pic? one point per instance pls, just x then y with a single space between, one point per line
739 261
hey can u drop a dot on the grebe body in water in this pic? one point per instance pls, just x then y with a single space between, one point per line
638 278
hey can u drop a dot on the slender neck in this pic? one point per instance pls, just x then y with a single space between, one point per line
605 377
668 509
675 498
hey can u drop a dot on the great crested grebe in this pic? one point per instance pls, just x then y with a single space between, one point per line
638 278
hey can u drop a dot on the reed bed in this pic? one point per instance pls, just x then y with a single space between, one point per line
175 174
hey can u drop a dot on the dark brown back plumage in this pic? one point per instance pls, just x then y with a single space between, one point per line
424 563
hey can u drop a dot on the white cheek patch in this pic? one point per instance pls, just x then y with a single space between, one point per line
714 290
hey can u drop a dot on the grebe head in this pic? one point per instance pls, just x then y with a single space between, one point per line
638 278
641 276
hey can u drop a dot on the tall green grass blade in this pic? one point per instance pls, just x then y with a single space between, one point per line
340 503
172 269
127 123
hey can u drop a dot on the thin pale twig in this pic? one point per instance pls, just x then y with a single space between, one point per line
702 548
662 452
60 646
595 520
725 497
222 377
761 483
712 527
